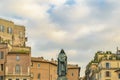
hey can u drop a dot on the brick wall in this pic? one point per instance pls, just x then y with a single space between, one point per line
48 70
24 62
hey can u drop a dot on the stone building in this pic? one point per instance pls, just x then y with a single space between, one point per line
73 72
106 66
12 33
42 69
15 56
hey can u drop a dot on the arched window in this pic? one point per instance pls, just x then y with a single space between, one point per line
17 69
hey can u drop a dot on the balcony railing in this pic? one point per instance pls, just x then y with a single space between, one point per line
21 49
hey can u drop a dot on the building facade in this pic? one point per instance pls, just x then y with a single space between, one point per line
73 72
17 65
11 33
106 66
42 69
3 54
15 56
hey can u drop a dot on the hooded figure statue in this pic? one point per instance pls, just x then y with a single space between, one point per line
62 64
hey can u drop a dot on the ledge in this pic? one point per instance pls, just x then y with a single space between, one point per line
20 50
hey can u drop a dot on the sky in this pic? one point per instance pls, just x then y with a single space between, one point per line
80 27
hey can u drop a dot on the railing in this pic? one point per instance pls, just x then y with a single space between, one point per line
21 49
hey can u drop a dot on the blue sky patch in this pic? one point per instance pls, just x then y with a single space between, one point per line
17 17
51 8
70 2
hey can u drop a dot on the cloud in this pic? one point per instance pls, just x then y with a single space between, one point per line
68 15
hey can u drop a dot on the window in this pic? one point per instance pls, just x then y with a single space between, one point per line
20 34
38 65
1 55
1 77
32 75
1 67
1 28
39 76
100 75
72 74
17 58
107 74
31 64
17 69
9 30
119 76
107 65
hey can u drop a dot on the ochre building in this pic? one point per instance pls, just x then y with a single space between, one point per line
105 66
12 33
42 69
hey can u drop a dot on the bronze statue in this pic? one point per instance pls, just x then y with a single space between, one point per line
62 66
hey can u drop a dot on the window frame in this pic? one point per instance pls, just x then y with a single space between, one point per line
107 65
1 77
9 30
2 28
31 64
17 57
72 74
21 35
38 65
2 67
1 55
38 76
107 74
17 79
17 69
118 75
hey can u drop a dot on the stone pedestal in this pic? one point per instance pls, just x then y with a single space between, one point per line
62 78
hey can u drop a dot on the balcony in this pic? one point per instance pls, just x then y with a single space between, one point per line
20 50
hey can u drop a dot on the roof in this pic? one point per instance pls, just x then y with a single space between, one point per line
20 26
54 62
6 20
41 59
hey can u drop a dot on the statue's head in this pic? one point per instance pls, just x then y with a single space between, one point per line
62 54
